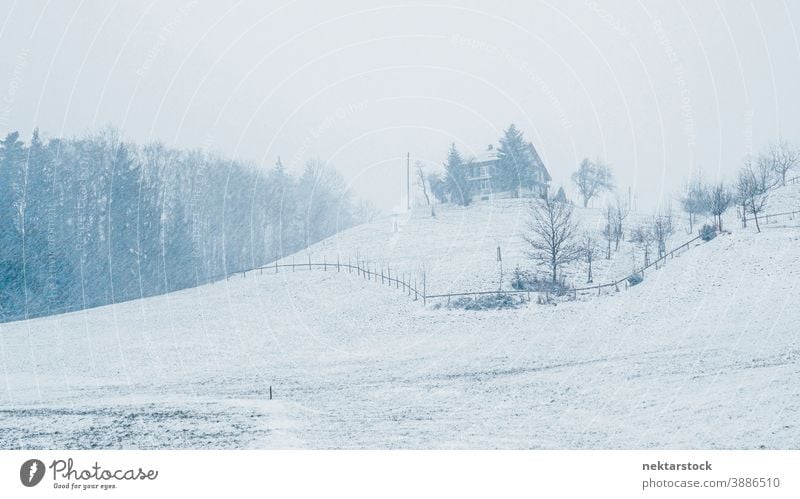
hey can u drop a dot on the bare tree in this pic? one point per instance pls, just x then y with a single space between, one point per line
782 158
551 234
591 178
609 230
621 212
422 182
588 249
720 198
643 237
694 200
662 229
755 182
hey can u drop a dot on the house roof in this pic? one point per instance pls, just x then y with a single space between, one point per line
489 156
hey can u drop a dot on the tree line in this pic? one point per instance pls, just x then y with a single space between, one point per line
556 239
750 190
96 220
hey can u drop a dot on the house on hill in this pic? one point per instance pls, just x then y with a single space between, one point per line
483 168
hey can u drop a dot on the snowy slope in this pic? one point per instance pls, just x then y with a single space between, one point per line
458 248
703 354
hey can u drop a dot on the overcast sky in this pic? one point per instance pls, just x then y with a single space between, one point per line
656 89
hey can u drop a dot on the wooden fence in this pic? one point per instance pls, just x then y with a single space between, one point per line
361 268
411 287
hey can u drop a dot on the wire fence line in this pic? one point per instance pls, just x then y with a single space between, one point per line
599 287
399 280
412 287
771 218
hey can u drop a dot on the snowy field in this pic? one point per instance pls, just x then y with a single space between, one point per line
705 353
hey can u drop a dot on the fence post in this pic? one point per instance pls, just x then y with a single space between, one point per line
309 261
324 264
424 291
276 263
389 274
293 269
382 281
338 268
349 266
404 282
415 289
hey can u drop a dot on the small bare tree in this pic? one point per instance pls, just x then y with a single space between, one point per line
609 230
621 212
591 178
782 158
642 236
588 249
662 229
422 182
755 182
694 200
551 234
720 198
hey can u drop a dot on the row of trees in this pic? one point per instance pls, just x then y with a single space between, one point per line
750 192
556 239
95 220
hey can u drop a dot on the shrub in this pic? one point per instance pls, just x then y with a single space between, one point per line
520 278
708 232
486 302
525 280
635 279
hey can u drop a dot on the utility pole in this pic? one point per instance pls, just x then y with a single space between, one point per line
408 181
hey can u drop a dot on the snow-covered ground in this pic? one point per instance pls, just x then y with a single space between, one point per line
705 353
457 249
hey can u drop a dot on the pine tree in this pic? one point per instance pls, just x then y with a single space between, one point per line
561 196
514 162
457 185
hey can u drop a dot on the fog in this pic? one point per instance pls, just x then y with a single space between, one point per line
656 89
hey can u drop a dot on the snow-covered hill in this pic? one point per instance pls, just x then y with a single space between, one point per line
457 249
705 353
